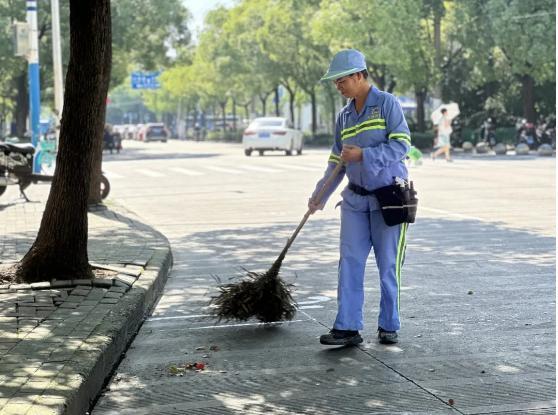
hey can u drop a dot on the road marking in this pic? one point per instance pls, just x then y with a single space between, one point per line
150 173
315 299
223 170
178 317
112 175
451 214
274 323
261 169
187 172
297 167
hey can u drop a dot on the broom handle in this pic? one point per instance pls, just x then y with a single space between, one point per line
318 199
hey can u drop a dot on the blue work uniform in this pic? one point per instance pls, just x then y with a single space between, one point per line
381 131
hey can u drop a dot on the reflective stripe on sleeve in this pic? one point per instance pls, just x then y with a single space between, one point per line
401 136
334 158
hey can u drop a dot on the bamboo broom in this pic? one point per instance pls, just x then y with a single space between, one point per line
264 296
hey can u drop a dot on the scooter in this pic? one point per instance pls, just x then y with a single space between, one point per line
16 167
527 134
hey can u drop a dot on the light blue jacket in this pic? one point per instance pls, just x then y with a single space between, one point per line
382 133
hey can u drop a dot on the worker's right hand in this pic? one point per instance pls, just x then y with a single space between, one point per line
313 206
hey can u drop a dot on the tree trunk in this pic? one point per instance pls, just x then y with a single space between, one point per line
527 86
420 95
263 99
21 110
331 98
292 93
314 111
234 114
391 86
60 250
247 111
276 91
223 105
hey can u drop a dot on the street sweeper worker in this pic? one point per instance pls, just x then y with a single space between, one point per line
371 140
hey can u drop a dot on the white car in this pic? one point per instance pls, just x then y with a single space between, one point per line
272 133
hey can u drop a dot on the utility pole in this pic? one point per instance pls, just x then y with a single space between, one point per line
57 60
34 85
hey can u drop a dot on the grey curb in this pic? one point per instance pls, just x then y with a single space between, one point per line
95 360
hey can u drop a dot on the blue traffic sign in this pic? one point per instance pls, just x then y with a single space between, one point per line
145 80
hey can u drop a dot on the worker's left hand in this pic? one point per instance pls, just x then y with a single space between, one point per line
351 154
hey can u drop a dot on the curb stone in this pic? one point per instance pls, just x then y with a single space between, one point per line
60 340
95 360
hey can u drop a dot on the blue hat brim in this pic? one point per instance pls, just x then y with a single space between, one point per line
332 75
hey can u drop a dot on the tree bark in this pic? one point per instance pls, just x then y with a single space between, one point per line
527 87
263 100
291 102
420 95
60 250
276 91
314 111
223 105
234 114
333 113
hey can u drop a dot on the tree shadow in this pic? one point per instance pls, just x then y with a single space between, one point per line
477 269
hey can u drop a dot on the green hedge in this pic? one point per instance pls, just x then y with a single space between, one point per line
422 140
229 136
320 140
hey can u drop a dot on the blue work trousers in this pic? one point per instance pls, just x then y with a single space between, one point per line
363 228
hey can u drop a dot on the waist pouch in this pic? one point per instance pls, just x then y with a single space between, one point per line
398 203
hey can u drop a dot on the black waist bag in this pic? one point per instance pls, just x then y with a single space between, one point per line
399 204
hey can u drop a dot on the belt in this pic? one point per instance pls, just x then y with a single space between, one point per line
360 190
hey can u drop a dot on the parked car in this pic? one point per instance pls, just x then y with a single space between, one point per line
154 132
272 133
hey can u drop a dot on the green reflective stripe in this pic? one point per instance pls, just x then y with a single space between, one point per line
379 121
361 127
334 158
401 136
401 246
374 127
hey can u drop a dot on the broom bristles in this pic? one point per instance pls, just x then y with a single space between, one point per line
264 296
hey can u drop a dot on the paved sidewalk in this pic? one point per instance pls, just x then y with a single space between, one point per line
60 339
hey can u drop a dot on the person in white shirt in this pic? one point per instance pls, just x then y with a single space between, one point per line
444 133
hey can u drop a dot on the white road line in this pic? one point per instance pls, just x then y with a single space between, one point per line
274 323
261 169
223 169
178 317
112 175
297 167
149 173
451 214
187 172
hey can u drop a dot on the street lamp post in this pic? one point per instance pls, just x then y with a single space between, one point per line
57 60
34 85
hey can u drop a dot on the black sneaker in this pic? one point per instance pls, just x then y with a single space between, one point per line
387 337
341 338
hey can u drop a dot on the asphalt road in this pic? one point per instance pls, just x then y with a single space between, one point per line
478 296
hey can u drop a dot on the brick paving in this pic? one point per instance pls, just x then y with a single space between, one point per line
48 329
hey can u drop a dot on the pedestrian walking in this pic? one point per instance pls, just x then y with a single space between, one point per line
443 137
371 139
